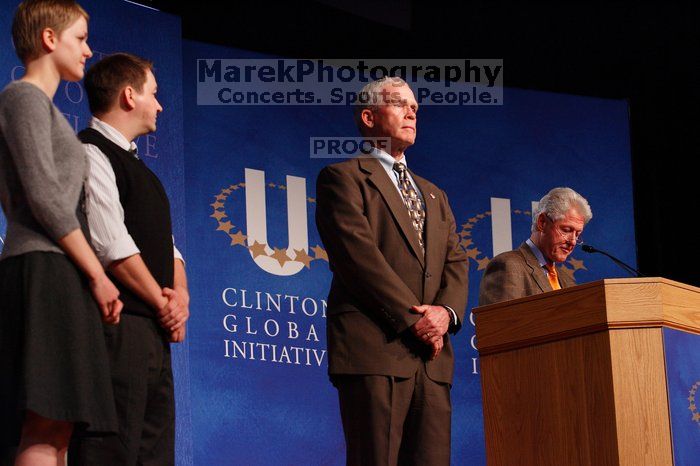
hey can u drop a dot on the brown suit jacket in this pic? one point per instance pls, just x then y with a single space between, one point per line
516 274
379 271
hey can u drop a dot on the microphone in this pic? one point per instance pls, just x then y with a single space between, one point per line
590 249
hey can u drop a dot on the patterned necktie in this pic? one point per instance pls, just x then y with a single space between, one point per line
552 276
412 201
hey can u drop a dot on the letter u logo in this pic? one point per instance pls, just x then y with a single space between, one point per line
278 261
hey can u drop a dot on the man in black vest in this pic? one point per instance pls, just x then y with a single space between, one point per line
129 217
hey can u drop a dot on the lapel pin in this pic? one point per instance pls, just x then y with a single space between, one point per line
432 196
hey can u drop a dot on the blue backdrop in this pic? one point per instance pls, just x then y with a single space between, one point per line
256 343
683 378
283 410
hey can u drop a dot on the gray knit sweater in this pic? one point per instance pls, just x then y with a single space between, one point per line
43 168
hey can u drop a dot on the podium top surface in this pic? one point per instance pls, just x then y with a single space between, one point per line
588 308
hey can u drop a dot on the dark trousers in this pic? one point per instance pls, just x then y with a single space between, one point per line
392 421
143 389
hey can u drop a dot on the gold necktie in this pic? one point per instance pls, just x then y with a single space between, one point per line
412 202
552 276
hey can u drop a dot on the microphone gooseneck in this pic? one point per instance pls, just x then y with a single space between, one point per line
590 249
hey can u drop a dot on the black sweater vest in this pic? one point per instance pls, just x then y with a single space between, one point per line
146 216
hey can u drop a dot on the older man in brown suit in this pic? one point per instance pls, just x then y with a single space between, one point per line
399 285
557 225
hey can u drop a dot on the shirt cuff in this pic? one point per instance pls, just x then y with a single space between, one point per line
177 254
453 313
120 248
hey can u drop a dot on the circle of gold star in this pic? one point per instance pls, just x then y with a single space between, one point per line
473 253
238 238
691 398
467 244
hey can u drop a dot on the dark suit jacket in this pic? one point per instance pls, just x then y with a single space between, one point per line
379 271
516 274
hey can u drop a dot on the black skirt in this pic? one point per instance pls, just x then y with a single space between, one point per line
53 358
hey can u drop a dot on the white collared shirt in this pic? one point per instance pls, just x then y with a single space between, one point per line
538 254
387 162
109 235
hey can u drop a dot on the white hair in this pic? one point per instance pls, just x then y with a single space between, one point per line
557 202
368 97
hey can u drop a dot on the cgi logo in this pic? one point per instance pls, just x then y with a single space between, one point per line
284 261
297 255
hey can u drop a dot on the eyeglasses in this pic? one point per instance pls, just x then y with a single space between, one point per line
572 236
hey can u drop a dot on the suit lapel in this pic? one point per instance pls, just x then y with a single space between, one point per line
378 177
535 268
565 279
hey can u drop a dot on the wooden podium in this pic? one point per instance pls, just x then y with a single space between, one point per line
578 376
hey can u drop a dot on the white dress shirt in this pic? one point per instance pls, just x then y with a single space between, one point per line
387 162
109 235
540 257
